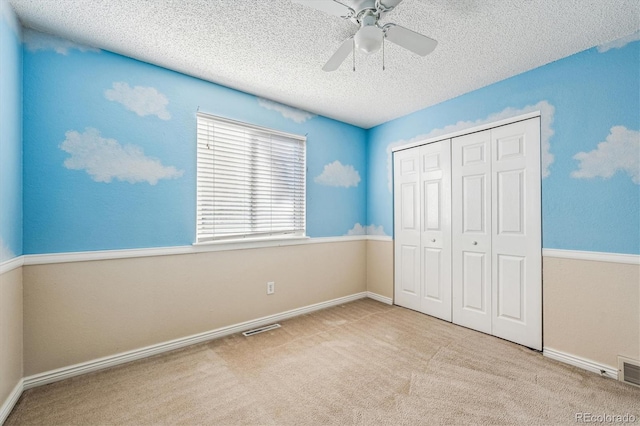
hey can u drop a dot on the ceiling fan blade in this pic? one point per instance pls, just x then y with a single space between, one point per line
327 6
390 4
386 6
341 54
411 40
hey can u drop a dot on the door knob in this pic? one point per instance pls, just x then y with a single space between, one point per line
433 240
475 243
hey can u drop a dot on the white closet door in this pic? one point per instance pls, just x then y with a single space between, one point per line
516 246
406 211
471 230
435 184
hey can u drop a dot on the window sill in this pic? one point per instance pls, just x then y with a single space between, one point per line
253 242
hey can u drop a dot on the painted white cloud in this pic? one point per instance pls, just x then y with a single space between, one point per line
295 114
546 132
139 99
5 251
36 41
366 230
620 152
338 174
619 43
105 159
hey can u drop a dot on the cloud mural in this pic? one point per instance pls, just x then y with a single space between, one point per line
105 159
366 230
295 114
619 43
546 132
36 41
5 251
139 99
337 174
620 152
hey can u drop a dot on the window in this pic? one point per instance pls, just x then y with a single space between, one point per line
251 181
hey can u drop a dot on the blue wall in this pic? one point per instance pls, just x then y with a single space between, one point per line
590 104
10 135
111 149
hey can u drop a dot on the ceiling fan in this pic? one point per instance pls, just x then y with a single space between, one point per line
371 35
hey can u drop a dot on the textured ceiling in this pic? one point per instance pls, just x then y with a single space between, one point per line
276 49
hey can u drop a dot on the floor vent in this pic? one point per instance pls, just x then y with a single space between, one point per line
629 371
261 329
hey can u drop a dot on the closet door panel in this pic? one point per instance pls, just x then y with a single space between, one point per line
516 256
471 230
406 184
435 181
474 284
433 289
467 226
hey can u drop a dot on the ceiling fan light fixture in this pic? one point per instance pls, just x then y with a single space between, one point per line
371 35
368 39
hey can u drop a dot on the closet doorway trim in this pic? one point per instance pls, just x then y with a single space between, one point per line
469 130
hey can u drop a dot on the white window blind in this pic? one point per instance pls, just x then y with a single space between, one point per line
251 181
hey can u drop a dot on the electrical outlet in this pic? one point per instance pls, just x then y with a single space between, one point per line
271 287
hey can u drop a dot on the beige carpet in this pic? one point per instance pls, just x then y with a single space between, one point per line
361 363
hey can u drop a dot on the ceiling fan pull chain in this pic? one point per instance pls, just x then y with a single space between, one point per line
354 55
383 37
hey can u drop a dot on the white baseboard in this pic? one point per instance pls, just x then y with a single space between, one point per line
380 298
121 358
10 402
586 364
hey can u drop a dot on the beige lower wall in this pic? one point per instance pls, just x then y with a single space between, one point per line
10 331
80 311
379 268
591 309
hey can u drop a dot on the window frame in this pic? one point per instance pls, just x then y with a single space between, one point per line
212 238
